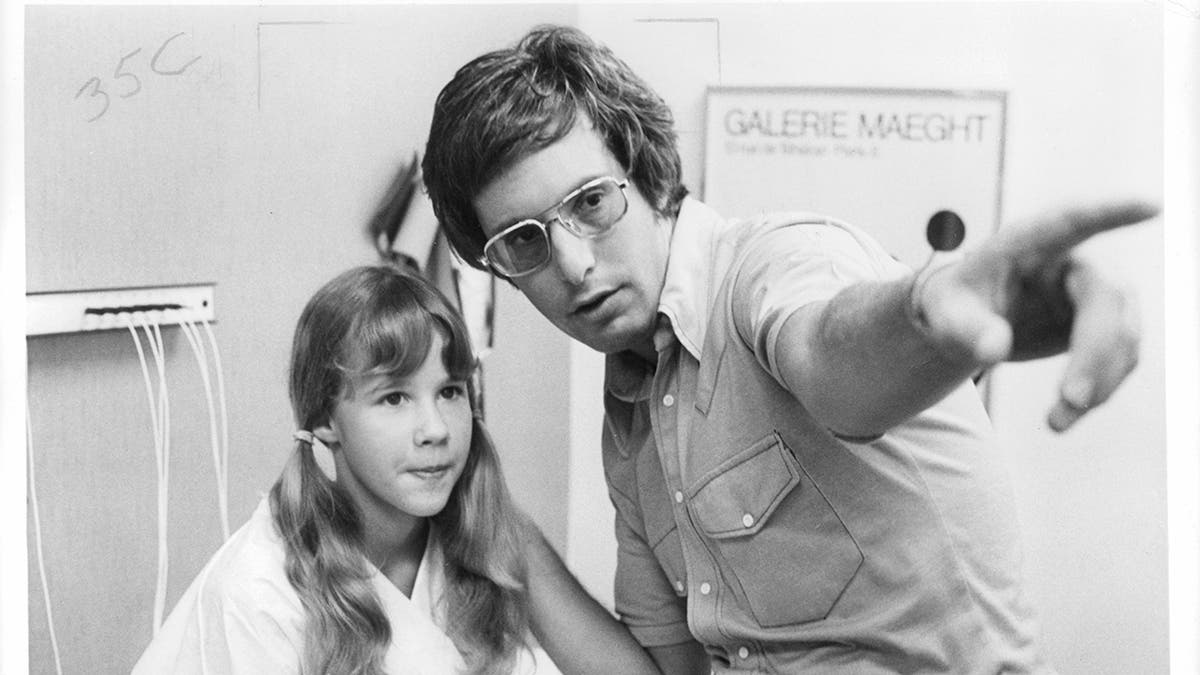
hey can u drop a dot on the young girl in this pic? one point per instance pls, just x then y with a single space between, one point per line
410 557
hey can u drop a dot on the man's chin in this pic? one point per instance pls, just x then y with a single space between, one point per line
614 339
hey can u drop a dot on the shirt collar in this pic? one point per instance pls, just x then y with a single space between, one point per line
682 305
688 284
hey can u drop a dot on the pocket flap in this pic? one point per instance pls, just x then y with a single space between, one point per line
737 497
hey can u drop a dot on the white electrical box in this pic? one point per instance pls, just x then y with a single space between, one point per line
79 311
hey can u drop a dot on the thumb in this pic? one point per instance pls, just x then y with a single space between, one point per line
961 323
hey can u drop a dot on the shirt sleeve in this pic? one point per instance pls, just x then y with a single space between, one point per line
244 628
249 629
789 267
644 598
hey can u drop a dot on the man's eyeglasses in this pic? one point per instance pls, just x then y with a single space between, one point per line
587 212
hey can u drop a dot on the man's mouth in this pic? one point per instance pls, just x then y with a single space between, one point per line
592 303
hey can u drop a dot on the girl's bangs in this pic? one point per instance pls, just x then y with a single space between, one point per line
393 339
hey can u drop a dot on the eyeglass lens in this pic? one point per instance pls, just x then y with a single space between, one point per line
587 214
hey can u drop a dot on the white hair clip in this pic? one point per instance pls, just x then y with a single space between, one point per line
322 455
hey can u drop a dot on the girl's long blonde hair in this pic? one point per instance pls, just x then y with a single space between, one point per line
382 320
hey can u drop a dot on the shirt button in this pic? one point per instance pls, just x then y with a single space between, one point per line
678 497
743 653
668 400
748 520
705 588
679 585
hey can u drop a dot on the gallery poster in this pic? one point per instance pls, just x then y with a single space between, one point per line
883 159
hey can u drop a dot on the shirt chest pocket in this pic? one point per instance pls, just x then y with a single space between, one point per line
777 538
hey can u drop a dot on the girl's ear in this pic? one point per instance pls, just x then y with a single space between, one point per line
327 433
323 452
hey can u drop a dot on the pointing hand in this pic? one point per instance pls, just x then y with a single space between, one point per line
1022 295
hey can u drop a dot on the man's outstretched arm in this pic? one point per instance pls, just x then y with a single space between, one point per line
879 352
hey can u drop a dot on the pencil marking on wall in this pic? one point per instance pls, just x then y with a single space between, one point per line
125 82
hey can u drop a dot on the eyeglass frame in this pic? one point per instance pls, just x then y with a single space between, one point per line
567 224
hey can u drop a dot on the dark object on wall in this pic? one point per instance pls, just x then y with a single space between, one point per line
385 224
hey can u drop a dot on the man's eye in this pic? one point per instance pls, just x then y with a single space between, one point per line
525 236
591 199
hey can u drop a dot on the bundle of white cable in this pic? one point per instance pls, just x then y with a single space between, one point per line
220 446
160 421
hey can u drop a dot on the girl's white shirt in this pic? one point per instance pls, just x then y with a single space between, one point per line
242 616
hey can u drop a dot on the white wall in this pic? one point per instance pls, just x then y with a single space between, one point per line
1084 115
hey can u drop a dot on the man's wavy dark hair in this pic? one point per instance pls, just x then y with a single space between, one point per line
507 104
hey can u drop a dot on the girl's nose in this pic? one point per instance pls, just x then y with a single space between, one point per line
431 429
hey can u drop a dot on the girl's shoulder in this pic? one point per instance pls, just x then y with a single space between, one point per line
240 613
249 569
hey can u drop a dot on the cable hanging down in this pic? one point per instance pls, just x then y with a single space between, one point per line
220 444
160 423
37 538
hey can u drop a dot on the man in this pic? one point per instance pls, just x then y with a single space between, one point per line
804 477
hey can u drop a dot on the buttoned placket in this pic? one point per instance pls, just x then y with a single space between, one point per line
664 425
670 422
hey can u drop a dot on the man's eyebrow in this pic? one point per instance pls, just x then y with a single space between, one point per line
509 222
538 216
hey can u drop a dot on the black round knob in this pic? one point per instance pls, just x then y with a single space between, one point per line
945 231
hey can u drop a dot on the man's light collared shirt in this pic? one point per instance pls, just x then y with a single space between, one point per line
743 523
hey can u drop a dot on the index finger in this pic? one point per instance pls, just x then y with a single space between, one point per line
1052 235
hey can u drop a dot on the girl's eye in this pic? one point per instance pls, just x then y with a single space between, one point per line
395 398
454 391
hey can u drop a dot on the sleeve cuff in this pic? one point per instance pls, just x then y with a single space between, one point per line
662 636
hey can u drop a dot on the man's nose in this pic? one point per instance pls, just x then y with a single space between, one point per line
571 255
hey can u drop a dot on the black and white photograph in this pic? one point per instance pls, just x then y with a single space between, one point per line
582 338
